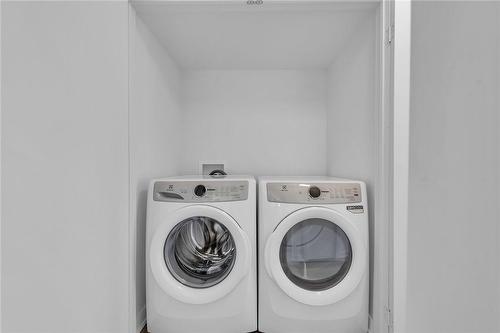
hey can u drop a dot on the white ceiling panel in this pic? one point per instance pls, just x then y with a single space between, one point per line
234 35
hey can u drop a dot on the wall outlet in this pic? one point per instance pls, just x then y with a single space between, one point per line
207 167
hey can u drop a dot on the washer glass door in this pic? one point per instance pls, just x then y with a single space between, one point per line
200 252
315 254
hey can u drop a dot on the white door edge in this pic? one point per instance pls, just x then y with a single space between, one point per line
401 125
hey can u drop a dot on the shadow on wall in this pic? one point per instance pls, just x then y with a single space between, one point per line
141 205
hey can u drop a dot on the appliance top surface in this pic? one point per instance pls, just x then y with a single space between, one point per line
206 178
305 179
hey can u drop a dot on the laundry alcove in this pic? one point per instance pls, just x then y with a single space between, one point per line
99 97
281 88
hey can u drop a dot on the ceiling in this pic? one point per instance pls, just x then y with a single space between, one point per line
234 35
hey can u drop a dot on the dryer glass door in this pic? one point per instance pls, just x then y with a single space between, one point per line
200 252
315 254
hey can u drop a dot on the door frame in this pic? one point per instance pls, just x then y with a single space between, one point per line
400 108
390 281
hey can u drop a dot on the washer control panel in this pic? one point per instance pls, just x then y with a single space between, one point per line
200 191
324 193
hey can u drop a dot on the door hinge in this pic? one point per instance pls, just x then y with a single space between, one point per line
389 317
389 31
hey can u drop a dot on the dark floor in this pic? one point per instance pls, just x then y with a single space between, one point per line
145 330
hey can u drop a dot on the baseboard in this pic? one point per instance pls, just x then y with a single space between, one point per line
141 319
370 324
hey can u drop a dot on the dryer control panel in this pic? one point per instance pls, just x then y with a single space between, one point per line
323 193
200 191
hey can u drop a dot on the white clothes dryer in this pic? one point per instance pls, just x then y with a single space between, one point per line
313 255
201 274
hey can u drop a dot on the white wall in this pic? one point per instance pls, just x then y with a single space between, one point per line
259 122
155 121
64 167
453 232
353 116
352 107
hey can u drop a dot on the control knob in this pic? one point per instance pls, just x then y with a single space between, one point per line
200 190
314 191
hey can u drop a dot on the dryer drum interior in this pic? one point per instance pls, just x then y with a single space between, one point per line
200 252
316 254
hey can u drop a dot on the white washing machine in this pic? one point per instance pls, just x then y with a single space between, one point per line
201 272
313 255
